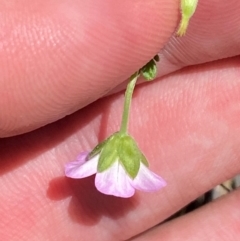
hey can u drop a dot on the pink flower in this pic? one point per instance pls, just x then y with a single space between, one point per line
115 180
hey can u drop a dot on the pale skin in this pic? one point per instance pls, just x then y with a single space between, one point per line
56 58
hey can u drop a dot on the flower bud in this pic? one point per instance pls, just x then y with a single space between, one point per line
149 70
188 8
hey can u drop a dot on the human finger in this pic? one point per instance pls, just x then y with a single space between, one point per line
187 124
58 57
218 220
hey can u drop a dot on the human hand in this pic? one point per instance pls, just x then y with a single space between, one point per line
55 62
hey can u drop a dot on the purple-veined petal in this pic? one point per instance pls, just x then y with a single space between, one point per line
114 181
80 168
148 181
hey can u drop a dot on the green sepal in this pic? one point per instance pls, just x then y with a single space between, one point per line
149 71
109 153
129 155
122 148
98 148
144 160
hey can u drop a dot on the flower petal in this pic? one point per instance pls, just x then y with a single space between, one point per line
148 181
81 168
82 157
114 181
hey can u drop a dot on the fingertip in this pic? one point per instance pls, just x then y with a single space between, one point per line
68 58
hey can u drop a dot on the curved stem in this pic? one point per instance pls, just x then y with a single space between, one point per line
127 102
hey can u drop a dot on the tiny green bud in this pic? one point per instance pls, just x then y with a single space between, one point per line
188 8
149 71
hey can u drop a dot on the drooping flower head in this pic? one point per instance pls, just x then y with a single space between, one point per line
119 165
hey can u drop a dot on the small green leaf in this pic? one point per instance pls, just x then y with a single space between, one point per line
109 153
149 71
129 155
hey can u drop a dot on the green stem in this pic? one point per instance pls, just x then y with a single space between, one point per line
127 102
